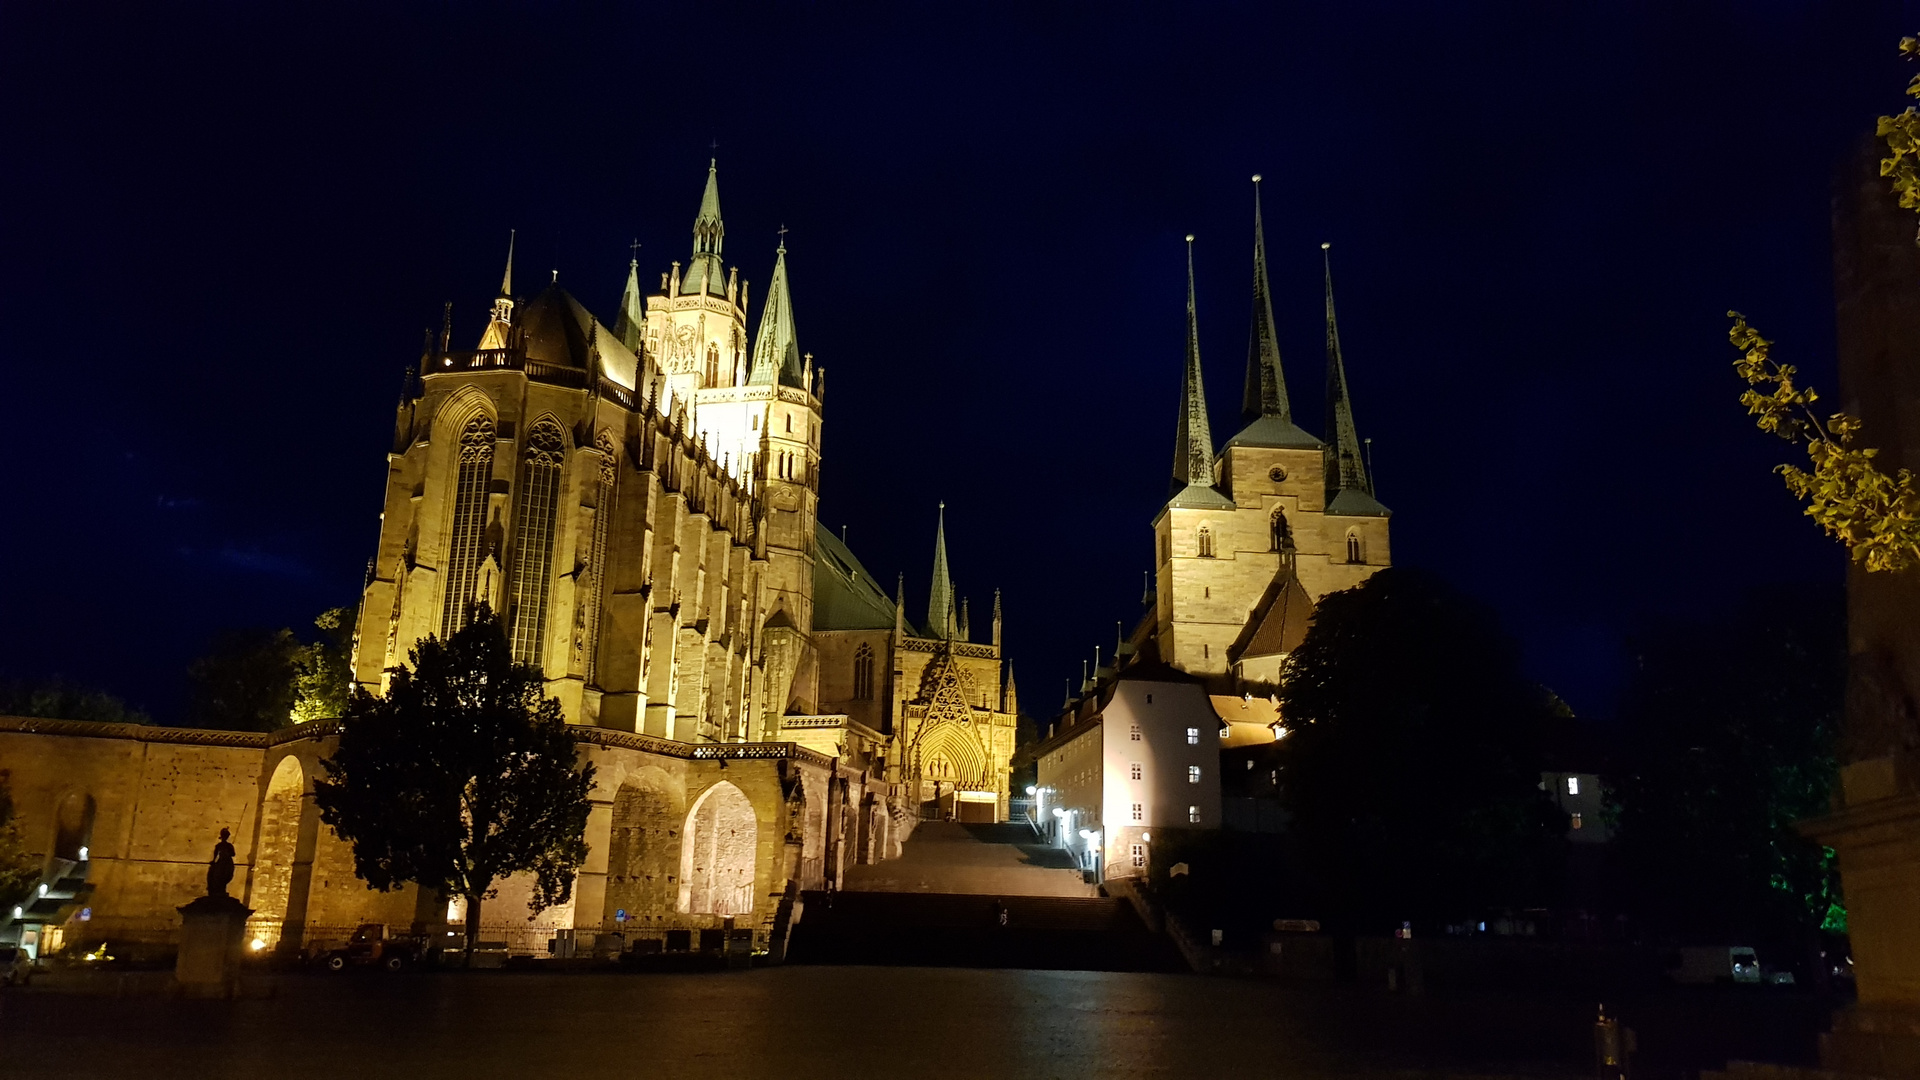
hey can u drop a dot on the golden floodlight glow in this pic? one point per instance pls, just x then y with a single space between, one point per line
258 944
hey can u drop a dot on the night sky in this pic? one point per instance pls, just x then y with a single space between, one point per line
225 229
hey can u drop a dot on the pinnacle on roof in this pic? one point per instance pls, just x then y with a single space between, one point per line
632 314
940 612
776 350
705 273
1349 491
1264 407
499 327
1193 441
506 280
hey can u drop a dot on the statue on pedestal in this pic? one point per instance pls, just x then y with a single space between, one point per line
220 870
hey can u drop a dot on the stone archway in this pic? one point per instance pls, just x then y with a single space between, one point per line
717 853
73 826
642 850
272 894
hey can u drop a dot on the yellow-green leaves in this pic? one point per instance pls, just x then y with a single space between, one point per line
1902 134
1875 515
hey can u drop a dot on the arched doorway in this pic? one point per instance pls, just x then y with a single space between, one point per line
271 896
717 853
641 851
73 826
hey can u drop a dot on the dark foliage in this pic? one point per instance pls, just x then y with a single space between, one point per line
1728 740
17 869
245 681
462 774
1412 767
56 699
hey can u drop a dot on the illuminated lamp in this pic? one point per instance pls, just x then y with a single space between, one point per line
1059 811
43 888
258 944
17 912
1086 834
1031 790
1146 838
83 854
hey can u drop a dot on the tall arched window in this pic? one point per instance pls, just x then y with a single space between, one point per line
533 518
1355 554
473 471
863 673
1282 532
713 365
1206 542
597 553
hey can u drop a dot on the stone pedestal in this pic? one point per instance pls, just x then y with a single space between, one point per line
212 930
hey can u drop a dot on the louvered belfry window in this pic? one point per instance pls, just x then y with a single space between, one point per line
532 579
472 472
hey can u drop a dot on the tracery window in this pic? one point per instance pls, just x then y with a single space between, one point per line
1282 532
473 471
863 673
533 519
597 553
1206 542
1355 554
713 365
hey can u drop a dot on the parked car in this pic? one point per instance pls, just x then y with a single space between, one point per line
1701 964
16 966
372 945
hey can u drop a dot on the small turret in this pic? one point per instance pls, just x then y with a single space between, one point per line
630 326
996 618
940 611
776 348
705 272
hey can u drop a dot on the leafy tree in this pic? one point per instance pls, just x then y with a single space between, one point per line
1411 767
1729 739
323 673
18 870
461 775
245 682
57 699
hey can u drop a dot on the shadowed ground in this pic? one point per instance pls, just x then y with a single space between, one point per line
976 860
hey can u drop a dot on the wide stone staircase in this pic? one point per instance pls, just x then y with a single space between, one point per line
976 896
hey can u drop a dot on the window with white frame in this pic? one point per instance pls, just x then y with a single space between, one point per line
1193 736
1193 774
1193 815
1133 771
1573 785
1139 813
1139 855
1135 733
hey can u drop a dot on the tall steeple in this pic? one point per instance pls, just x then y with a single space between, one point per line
632 309
500 326
776 351
940 612
705 272
1193 441
1346 469
1266 391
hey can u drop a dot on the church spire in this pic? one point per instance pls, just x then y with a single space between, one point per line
500 326
632 315
940 597
705 273
1346 470
1266 390
1193 442
776 351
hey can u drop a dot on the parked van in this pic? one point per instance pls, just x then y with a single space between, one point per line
1703 964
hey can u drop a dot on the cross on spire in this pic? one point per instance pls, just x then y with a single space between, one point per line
633 251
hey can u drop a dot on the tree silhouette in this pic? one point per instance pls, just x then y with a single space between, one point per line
463 774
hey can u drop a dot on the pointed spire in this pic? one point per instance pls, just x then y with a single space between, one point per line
627 327
996 620
1266 390
776 351
965 631
1009 697
705 273
900 608
500 326
1346 470
1193 442
940 597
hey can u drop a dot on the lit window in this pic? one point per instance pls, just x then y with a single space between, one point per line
1573 785
1193 736
1193 815
1138 813
1576 821
1134 770
1354 552
1135 733
1139 854
1206 542
1224 732
1193 774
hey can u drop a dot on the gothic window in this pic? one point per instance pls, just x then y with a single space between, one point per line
1282 532
1206 542
597 553
533 520
789 423
1355 554
863 673
473 471
713 365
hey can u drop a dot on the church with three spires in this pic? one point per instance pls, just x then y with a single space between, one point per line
640 504
1255 532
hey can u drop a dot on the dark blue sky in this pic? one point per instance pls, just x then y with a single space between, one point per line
225 228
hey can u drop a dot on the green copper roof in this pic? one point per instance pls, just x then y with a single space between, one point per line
776 349
1346 469
845 596
940 605
705 272
632 312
